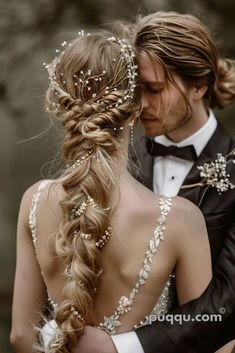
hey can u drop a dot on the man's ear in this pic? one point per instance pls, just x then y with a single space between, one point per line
199 91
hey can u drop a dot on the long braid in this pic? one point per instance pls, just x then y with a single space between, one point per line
91 148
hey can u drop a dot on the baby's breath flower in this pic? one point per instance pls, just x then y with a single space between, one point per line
215 173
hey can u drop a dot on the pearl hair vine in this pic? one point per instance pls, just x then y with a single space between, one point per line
86 157
78 210
128 55
89 154
83 80
105 238
76 313
99 243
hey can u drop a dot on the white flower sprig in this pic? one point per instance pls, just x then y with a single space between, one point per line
214 174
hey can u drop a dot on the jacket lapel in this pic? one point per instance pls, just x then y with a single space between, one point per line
141 163
147 169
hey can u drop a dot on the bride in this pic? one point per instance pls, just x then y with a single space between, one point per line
102 247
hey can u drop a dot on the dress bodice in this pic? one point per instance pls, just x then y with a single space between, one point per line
33 224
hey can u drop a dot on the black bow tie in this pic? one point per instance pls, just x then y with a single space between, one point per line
157 149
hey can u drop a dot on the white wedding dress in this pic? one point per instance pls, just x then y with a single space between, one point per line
125 303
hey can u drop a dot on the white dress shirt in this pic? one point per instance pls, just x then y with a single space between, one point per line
169 173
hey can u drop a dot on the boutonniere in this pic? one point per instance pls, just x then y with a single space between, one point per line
215 173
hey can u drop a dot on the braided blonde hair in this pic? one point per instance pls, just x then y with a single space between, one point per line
89 92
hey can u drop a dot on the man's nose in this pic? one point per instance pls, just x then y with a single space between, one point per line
144 100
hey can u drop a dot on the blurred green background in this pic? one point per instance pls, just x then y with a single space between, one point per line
29 33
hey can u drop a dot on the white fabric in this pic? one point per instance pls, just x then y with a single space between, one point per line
47 333
169 172
127 342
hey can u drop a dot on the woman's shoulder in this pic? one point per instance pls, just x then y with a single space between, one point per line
178 205
181 211
187 219
42 201
30 192
28 195
48 187
27 203
184 206
47 190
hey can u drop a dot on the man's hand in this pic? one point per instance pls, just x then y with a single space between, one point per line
94 341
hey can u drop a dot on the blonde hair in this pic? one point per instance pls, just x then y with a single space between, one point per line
89 92
183 45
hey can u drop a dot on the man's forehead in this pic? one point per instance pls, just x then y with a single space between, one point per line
151 72
151 82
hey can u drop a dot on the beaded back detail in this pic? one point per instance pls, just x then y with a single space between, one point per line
125 304
33 225
33 213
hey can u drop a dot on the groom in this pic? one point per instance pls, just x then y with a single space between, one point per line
182 78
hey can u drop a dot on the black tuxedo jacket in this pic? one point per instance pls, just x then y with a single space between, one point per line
219 212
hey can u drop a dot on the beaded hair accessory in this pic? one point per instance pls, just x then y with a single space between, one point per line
78 210
105 238
82 80
128 55
88 155
99 243
76 313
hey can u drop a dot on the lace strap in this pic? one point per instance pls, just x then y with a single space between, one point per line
125 303
33 212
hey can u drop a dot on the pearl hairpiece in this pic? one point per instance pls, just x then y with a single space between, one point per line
105 238
82 81
99 243
78 210
86 157
128 55
76 313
